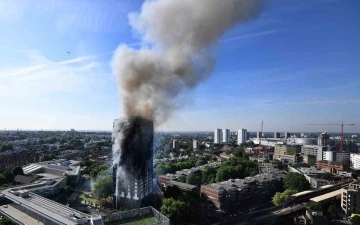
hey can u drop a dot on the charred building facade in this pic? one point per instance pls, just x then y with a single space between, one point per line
133 165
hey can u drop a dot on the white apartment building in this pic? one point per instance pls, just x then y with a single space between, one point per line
217 136
329 156
196 144
355 160
242 136
175 144
226 135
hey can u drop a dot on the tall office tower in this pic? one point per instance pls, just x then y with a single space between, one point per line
323 139
276 135
217 136
258 134
226 135
242 136
196 144
133 162
287 134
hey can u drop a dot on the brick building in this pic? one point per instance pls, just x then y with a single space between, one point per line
333 167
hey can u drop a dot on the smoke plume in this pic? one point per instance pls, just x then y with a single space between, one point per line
180 35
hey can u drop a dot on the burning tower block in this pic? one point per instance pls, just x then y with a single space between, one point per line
133 170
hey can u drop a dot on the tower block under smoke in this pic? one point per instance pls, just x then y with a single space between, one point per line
133 167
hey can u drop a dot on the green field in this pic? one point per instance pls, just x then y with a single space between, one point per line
136 221
83 198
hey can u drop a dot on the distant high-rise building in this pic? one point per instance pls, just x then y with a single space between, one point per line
175 144
217 136
342 157
226 135
329 156
196 144
355 160
287 134
323 139
276 135
242 136
258 134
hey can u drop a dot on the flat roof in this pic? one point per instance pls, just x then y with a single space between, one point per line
302 193
46 207
326 196
20 216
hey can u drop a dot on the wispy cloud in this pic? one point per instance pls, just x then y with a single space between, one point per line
251 35
50 76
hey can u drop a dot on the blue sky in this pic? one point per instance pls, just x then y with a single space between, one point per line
298 63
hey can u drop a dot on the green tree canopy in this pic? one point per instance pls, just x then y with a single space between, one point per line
316 206
281 197
355 220
3 180
332 211
201 161
18 171
6 146
175 210
296 181
194 178
103 188
9 176
208 175
182 178
172 192
6 221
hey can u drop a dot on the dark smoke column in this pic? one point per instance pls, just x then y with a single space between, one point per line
133 169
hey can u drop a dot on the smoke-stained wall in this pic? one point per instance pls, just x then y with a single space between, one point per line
133 169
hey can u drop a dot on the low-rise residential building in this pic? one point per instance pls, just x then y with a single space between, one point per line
332 167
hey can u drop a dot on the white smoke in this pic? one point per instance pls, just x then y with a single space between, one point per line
181 34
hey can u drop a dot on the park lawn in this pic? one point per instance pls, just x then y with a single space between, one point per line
136 221
84 198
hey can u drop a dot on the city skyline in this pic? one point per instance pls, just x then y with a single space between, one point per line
296 64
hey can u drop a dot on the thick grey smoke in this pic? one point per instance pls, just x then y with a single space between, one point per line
181 34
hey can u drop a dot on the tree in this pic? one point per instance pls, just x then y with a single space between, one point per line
208 175
3 180
6 221
282 197
201 161
332 211
296 181
175 210
103 188
9 176
172 192
194 178
316 206
355 220
18 171
182 178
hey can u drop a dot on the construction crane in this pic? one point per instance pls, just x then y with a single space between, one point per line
342 124
259 149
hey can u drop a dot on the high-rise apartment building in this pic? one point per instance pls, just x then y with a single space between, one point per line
355 160
329 156
323 139
217 136
342 157
242 136
196 144
225 135
133 170
276 135
350 199
258 134
175 144
287 134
